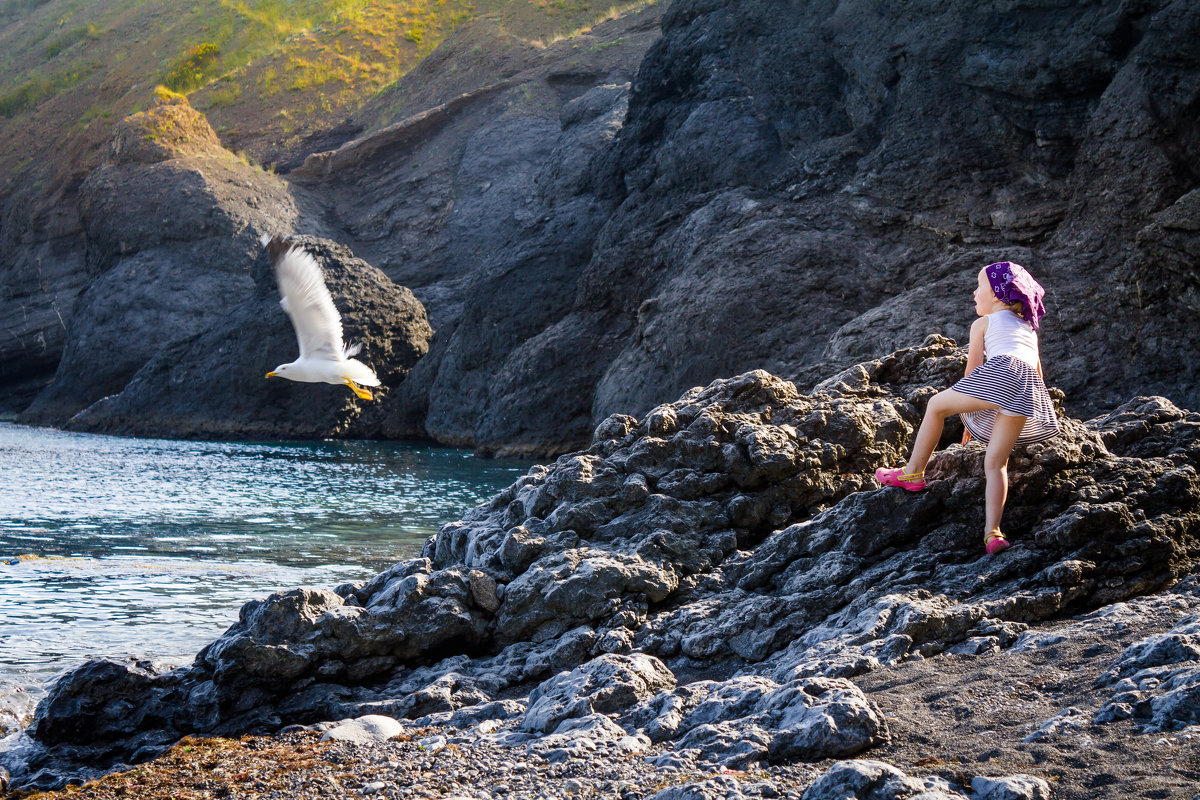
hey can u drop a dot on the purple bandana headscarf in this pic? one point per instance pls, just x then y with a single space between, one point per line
1012 283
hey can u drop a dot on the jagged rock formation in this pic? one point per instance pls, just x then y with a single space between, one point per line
171 221
212 385
795 187
175 333
719 574
475 196
788 186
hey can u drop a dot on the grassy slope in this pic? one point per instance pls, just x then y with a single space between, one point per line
279 70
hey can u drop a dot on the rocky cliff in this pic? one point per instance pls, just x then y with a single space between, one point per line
690 191
723 575
181 320
799 185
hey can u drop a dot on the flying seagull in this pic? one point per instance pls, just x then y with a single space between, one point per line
323 357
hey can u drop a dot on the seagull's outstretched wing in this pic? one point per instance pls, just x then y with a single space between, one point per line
307 301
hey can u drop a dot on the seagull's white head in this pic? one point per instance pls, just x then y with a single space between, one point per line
281 371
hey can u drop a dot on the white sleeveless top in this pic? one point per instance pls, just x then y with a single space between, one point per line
1009 335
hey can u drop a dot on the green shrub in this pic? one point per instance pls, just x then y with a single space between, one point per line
195 67
23 97
71 37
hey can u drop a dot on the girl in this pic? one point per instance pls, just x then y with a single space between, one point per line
1003 399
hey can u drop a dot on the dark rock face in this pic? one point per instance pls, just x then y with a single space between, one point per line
797 186
881 151
212 384
477 201
171 222
712 574
776 185
40 279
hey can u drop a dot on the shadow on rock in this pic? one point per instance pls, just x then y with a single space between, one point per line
713 574
212 384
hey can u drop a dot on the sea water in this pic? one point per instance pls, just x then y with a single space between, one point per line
147 548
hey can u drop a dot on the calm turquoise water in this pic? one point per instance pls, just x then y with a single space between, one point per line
143 547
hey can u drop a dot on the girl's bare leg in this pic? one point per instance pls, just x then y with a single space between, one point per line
995 467
942 405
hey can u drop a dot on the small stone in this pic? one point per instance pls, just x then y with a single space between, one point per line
1015 787
371 729
433 744
483 590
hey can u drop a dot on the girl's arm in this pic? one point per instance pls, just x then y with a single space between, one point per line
975 355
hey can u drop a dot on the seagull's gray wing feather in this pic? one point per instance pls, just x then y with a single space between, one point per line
308 303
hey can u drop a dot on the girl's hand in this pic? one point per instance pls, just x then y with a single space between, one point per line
966 436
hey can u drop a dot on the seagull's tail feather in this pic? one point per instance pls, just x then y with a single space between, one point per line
352 350
359 372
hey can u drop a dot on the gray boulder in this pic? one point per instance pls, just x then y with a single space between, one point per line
212 384
873 780
718 788
1014 787
172 221
606 684
371 729
749 719
589 736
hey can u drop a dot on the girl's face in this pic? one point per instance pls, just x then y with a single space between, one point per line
985 299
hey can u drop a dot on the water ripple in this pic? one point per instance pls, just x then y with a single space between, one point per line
147 548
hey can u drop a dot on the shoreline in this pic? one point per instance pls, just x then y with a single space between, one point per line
953 721
719 588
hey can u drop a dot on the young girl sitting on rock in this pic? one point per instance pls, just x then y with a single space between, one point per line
1003 399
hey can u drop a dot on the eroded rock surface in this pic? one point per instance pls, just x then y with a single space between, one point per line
212 383
716 574
171 222
796 186
601 223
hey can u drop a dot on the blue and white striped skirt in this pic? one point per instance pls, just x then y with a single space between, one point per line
1019 391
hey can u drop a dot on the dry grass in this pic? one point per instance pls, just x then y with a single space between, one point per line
70 68
612 12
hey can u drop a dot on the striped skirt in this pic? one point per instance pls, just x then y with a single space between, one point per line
1019 391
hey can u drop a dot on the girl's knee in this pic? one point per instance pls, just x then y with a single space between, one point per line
995 464
941 404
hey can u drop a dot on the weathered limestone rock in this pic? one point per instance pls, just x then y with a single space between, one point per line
751 718
1157 681
606 684
212 384
1014 787
172 221
865 779
738 532
371 729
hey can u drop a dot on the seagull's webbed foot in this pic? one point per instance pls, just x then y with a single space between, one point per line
362 393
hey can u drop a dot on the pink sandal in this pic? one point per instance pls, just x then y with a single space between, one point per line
912 481
995 542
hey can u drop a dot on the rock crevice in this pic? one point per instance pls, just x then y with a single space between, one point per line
717 574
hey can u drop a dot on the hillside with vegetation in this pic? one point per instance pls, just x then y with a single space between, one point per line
266 73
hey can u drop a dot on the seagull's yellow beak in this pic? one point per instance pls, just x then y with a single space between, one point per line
272 374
